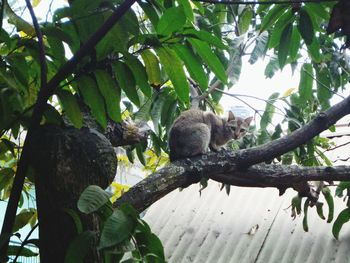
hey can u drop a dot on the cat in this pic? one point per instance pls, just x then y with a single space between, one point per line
195 131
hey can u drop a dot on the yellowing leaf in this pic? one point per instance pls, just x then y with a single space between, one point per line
35 3
288 92
123 158
119 190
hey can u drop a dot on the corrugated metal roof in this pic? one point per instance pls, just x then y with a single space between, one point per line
214 227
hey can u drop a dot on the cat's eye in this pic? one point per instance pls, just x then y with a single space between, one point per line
233 128
242 130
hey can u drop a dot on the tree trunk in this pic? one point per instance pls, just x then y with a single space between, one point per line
65 162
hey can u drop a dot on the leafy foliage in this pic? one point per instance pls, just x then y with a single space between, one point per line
145 67
123 231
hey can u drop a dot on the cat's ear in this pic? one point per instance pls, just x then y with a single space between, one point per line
231 116
248 120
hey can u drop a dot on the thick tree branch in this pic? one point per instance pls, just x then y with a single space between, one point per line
222 168
232 167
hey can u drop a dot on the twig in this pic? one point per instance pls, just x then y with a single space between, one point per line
216 84
24 242
2 9
252 97
23 163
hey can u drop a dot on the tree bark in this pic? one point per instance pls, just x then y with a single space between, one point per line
66 161
222 168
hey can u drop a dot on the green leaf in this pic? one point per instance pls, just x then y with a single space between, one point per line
319 10
93 98
341 187
56 32
139 152
269 111
110 93
272 16
20 23
22 219
294 45
206 37
157 106
342 218
330 202
143 112
150 12
56 50
105 211
71 108
79 247
130 22
152 67
260 47
306 208
319 209
173 19
76 219
306 81
116 39
271 67
24 252
116 229
314 51
277 133
305 27
52 116
168 111
140 74
149 243
324 87
286 19
192 64
173 67
88 23
126 81
213 62
92 198
284 46
296 204
6 177
235 73
187 9
244 20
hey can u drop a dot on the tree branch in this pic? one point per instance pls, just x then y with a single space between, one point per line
18 182
276 148
232 167
70 65
222 168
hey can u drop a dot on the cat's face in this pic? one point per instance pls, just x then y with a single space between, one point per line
238 125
